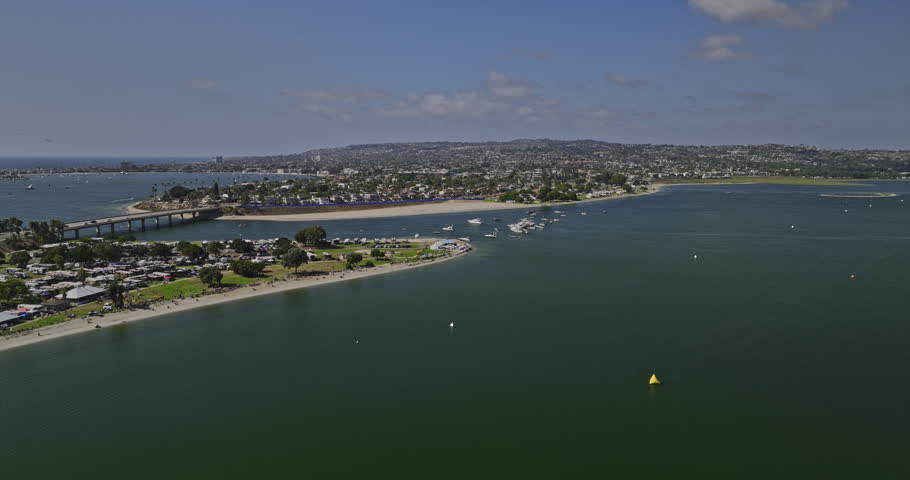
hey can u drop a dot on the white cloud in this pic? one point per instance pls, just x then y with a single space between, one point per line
503 97
629 82
804 15
465 104
504 86
720 48
204 84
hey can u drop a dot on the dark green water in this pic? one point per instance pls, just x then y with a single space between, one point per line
775 364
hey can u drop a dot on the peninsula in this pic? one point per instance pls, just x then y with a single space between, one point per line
69 287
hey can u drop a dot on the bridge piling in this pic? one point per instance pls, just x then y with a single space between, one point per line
142 224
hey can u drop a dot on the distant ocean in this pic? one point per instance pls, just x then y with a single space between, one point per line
7 163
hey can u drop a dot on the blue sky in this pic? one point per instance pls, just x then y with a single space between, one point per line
233 77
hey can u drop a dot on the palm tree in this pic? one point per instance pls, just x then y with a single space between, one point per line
116 290
57 227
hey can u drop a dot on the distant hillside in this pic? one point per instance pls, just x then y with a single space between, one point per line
632 158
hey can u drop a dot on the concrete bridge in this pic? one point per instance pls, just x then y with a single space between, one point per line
183 215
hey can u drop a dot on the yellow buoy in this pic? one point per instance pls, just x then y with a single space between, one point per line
654 380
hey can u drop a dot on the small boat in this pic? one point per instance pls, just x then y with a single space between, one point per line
653 380
451 324
30 187
448 228
584 213
492 235
465 239
475 221
416 235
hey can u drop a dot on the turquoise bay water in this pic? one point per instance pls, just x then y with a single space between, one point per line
775 363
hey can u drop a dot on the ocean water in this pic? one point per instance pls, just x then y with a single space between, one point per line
775 363
27 163
83 196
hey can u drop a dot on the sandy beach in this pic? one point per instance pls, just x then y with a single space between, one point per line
451 206
130 209
81 325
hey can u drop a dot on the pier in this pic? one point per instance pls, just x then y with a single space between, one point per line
140 221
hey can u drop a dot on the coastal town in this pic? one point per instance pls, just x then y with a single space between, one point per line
498 164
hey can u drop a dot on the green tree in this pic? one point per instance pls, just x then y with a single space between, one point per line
139 251
182 247
19 259
11 225
210 276
353 259
294 258
377 253
195 253
107 251
160 250
56 227
240 245
178 192
12 292
311 236
82 253
116 291
214 247
282 245
42 232
247 268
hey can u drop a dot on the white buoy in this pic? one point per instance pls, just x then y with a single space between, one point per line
792 226
845 210
694 257
452 325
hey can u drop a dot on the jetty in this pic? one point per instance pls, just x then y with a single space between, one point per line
183 215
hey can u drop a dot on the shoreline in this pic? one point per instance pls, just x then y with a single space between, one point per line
80 325
447 207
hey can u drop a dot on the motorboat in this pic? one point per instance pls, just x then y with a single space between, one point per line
475 221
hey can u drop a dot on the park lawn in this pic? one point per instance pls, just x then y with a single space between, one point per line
166 291
232 279
323 266
57 317
767 180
